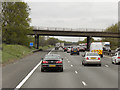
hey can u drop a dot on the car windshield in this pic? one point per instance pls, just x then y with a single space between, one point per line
92 54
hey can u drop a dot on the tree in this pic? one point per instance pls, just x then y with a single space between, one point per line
52 41
113 41
15 27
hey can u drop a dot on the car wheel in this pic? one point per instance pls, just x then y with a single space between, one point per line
82 63
42 70
99 64
71 54
85 65
112 62
78 54
61 70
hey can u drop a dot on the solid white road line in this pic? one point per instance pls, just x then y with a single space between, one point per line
50 51
76 72
28 76
68 61
106 66
84 83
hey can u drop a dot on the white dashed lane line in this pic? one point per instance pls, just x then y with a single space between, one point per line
71 65
106 66
76 72
68 61
84 83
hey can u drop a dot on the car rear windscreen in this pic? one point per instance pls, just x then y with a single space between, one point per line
92 54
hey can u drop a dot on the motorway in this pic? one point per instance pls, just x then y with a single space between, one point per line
75 75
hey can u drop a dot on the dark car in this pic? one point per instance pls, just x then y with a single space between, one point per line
81 48
52 62
65 49
74 50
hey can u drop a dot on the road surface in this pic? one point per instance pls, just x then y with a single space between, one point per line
75 75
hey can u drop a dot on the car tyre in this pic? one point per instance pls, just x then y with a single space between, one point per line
99 64
61 70
42 70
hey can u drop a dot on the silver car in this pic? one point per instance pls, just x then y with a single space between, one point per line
116 58
91 58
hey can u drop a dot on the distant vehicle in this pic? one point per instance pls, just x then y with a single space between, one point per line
81 48
106 46
74 50
117 49
52 62
65 48
62 45
116 58
56 47
97 47
91 58
69 50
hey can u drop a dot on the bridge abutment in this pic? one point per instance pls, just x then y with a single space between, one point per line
37 41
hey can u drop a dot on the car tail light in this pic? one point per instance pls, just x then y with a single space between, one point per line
98 58
65 48
58 61
87 58
45 62
118 57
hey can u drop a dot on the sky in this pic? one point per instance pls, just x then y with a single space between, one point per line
96 14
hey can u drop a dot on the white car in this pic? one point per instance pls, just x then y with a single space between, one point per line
116 58
91 58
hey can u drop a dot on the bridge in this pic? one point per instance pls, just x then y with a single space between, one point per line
79 32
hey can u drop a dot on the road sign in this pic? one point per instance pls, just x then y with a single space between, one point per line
31 44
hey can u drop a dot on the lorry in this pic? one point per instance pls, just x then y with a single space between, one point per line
97 47
106 46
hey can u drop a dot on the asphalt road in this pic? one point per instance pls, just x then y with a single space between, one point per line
75 75
14 73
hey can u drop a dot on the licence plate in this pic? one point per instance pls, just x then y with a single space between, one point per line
74 51
92 58
52 65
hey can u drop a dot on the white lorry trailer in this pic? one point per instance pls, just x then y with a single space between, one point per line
97 47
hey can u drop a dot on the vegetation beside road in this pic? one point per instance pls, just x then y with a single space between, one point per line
11 53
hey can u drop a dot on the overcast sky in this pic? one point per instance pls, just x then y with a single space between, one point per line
74 15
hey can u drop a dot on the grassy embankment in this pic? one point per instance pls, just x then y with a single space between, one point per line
11 53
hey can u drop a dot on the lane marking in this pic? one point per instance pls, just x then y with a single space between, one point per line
28 76
106 66
65 57
84 83
68 61
71 65
50 51
76 72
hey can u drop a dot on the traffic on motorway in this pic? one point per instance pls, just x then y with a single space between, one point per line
93 56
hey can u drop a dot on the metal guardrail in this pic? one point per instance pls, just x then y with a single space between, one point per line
68 29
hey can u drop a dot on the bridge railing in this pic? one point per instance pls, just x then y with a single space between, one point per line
68 29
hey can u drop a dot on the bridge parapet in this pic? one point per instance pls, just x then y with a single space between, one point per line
68 29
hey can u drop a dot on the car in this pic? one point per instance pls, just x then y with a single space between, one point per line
65 48
52 62
81 48
116 58
117 49
74 50
91 58
68 50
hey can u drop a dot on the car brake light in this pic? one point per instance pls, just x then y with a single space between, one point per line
58 61
87 58
45 61
118 57
98 58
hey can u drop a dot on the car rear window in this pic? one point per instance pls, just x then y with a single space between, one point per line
52 57
92 54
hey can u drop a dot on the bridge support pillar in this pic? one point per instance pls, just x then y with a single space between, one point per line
37 41
88 42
